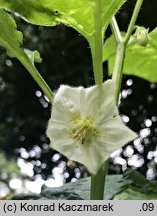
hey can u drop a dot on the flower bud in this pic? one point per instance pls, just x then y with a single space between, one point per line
142 36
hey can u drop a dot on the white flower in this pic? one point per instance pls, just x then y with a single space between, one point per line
85 125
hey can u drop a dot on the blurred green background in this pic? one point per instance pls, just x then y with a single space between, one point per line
26 159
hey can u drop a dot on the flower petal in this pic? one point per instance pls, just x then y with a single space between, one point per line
99 101
94 157
116 134
68 99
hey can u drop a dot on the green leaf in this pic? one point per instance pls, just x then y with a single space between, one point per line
34 56
81 188
139 61
75 191
11 39
27 197
132 194
74 13
136 187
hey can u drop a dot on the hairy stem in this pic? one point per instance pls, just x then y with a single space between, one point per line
121 47
115 30
98 183
133 20
97 44
118 68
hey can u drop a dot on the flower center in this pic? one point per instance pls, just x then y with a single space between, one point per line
84 129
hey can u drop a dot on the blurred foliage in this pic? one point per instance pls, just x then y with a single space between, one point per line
24 110
76 190
10 166
8 170
131 185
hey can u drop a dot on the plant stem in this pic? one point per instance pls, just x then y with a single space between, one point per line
121 47
118 67
98 183
119 59
36 76
115 30
133 20
98 180
97 44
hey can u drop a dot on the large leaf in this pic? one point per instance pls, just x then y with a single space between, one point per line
75 13
136 187
11 39
130 185
139 61
76 191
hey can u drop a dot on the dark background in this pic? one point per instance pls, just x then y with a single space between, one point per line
24 111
